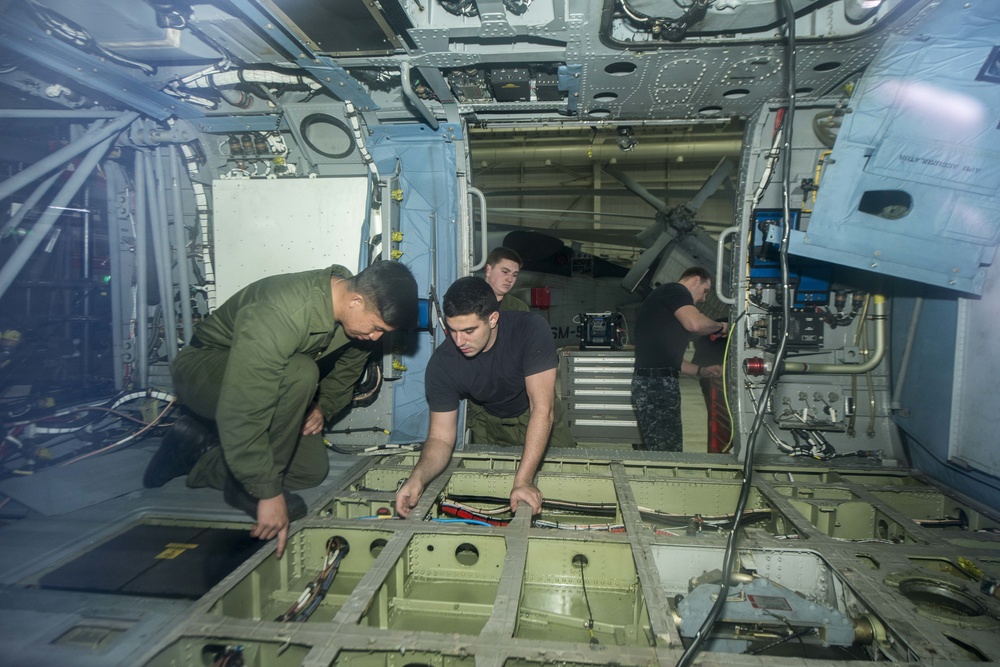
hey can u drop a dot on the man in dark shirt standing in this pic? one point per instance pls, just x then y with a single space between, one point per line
666 319
505 363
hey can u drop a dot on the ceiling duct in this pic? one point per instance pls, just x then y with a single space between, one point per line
583 152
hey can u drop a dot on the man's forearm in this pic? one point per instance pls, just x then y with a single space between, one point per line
707 326
434 458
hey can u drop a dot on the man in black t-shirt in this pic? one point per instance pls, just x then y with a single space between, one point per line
506 364
666 319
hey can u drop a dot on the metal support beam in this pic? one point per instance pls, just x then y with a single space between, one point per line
58 159
41 228
141 273
68 114
29 204
425 113
119 285
180 245
20 35
157 196
165 258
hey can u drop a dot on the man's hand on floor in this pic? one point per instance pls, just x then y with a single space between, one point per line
272 521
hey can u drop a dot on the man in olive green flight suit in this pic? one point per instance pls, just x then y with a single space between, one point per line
252 368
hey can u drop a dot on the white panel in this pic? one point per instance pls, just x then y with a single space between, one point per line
975 402
266 227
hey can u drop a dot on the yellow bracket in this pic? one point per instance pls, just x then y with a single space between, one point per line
970 567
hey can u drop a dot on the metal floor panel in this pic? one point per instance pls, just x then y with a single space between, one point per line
57 627
60 490
513 595
422 592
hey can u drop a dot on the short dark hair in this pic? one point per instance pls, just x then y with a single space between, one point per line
470 296
701 273
389 288
501 253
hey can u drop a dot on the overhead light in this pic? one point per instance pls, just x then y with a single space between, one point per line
625 140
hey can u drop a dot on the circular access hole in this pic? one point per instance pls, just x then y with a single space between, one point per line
327 135
710 111
827 66
736 93
467 554
803 91
375 548
620 69
580 561
940 598
336 543
599 113
606 96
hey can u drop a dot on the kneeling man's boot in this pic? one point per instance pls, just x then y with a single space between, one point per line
236 496
185 442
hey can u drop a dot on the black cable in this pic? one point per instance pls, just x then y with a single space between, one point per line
594 509
794 635
786 168
581 561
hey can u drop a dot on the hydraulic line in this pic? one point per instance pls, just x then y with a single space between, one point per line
879 317
727 565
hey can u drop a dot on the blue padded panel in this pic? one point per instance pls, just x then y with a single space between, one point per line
429 216
924 122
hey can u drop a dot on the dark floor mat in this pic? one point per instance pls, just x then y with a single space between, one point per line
157 561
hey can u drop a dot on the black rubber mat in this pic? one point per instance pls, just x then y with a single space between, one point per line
157 561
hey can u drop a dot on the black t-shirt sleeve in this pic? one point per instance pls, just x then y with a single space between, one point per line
441 393
539 347
676 298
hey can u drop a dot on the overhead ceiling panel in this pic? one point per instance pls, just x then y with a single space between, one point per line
344 28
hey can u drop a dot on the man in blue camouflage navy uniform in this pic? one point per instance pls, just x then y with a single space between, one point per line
666 320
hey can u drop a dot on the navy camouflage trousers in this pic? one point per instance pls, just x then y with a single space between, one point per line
658 407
